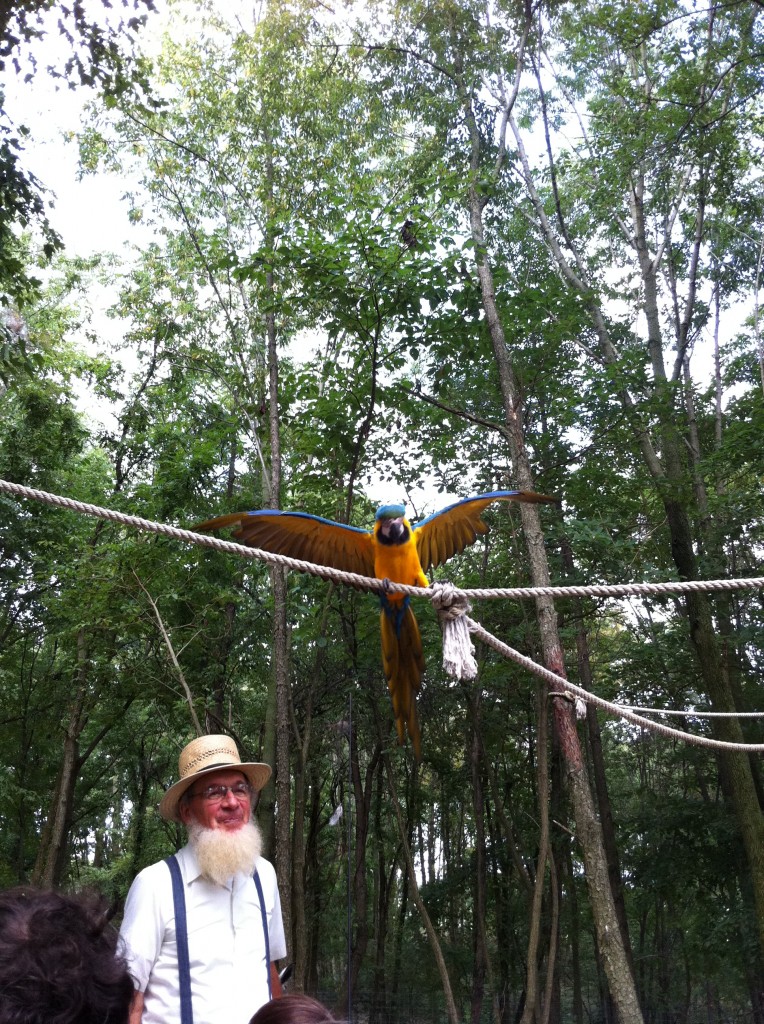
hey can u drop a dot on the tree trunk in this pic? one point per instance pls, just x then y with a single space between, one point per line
362 794
309 969
480 966
25 824
589 833
298 871
451 1010
140 799
387 869
51 856
598 761
395 999
574 930
283 775
282 828
532 1008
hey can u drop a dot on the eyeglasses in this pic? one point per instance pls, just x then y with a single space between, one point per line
214 794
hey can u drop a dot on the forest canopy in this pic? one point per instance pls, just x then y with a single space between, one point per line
405 251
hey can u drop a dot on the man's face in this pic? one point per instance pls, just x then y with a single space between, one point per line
228 814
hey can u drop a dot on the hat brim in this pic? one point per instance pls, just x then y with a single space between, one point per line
257 775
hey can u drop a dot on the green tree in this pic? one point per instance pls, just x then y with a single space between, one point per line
99 53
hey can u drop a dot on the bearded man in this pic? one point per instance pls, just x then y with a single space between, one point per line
203 928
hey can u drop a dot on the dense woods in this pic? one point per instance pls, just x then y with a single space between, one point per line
421 251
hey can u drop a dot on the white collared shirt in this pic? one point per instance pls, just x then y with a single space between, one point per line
226 945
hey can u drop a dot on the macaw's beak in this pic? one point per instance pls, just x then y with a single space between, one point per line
393 530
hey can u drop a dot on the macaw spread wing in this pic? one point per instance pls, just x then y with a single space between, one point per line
300 535
450 531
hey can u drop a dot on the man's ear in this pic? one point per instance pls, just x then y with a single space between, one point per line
184 809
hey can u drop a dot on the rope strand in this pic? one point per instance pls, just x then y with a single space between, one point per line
600 702
695 714
370 583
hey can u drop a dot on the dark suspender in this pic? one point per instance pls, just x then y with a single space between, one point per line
259 887
181 935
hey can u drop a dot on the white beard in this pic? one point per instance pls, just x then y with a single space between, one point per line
222 854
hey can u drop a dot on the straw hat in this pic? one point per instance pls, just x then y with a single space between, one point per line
201 757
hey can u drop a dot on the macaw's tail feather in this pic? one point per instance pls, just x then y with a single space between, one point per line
403 663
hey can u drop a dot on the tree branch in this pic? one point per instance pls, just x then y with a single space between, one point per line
173 658
460 413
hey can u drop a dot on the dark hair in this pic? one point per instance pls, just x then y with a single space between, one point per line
58 961
294 1009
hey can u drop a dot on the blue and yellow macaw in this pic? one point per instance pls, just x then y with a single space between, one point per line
393 550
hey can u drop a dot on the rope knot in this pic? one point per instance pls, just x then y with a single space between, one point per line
452 607
577 701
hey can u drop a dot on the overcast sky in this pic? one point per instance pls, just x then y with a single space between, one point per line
89 214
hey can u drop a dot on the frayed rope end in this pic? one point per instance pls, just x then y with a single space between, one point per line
458 649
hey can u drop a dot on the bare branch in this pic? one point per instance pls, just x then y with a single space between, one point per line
461 413
173 657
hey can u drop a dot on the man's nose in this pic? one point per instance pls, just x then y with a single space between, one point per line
230 799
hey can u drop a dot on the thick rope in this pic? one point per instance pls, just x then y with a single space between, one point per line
202 539
370 583
695 714
453 603
600 702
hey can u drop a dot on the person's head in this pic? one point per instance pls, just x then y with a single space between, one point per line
221 801
201 759
293 1009
59 962
213 798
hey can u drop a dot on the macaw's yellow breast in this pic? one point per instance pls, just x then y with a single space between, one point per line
400 564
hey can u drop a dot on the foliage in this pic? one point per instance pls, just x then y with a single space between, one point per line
316 172
97 54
